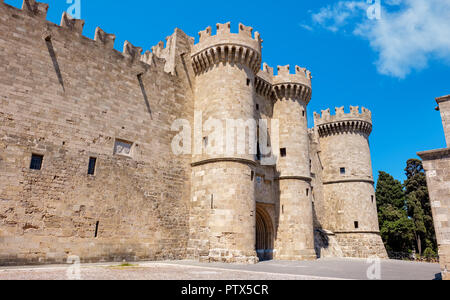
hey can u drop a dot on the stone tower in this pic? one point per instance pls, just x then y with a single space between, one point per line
295 239
350 210
222 217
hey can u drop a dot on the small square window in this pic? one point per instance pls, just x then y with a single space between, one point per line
342 171
356 224
122 147
283 152
36 161
91 168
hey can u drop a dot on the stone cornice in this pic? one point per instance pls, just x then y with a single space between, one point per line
345 126
303 178
223 159
434 154
344 180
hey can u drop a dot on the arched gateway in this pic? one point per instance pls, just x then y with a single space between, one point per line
264 235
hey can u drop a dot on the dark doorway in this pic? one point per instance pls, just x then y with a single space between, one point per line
264 236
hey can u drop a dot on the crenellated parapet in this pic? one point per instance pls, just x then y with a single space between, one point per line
297 85
106 39
35 8
342 122
75 25
224 46
70 27
263 81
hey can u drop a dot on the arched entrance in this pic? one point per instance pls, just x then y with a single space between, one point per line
264 235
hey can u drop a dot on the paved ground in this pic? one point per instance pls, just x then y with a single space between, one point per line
271 270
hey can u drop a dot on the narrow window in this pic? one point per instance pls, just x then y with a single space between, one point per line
373 198
307 192
212 201
303 113
91 168
252 174
258 152
342 171
96 229
36 161
257 106
283 152
282 209
248 82
356 224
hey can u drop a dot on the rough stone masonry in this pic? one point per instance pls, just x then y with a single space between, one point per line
437 166
86 160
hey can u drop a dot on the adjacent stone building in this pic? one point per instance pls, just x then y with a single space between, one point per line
437 166
88 166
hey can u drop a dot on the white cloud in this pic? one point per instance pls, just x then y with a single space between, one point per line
337 16
406 38
307 27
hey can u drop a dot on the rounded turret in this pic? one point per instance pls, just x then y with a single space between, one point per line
240 48
350 209
223 183
292 92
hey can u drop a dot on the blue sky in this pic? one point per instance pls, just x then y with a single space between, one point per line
394 63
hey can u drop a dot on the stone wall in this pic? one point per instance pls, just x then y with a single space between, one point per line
69 98
437 166
347 204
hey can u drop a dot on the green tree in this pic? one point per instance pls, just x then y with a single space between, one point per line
418 206
397 230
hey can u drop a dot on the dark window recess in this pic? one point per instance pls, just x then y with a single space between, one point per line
248 82
212 201
307 192
282 209
91 168
356 224
283 152
258 152
36 161
257 106
342 171
252 175
373 198
303 113
96 229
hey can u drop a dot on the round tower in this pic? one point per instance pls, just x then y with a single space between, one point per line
295 236
348 185
223 207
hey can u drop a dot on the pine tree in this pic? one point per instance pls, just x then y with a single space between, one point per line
397 230
419 208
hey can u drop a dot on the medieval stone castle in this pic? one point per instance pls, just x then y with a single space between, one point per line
86 160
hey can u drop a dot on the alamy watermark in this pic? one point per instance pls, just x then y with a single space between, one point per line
227 137
374 269
374 9
74 9
73 272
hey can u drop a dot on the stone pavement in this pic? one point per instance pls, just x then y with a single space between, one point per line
270 270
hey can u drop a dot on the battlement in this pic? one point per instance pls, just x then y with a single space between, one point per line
68 24
223 35
287 85
242 47
356 120
284 76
